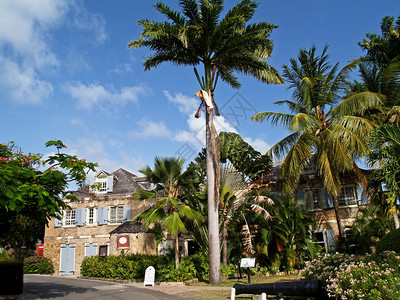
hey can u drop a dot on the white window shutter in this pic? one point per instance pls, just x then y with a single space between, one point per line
127 213
110 182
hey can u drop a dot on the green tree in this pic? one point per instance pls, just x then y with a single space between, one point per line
324 127
241 165
32 191
169 210
222 45
385 144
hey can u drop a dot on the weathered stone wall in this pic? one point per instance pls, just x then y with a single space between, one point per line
139 243
100 234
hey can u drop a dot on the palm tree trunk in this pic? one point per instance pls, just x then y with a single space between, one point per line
396 218
212 199
338 220
224 245
176 252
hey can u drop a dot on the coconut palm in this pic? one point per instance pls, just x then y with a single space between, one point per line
324 127
169 180
221 45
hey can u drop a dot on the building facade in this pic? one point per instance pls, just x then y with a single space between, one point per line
99 224
312 196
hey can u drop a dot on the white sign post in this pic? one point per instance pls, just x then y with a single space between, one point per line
248 263
149 276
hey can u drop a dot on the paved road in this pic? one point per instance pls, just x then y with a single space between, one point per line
51 287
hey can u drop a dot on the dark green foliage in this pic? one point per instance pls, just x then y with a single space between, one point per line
121 267
390 242
38 265
370 225
11 278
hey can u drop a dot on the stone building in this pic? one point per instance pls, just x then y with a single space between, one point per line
312 196
100 224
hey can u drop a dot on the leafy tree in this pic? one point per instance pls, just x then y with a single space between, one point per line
385 144
221 45
324 127
169 211
32 191
240 166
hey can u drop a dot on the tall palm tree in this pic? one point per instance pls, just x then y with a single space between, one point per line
323 126
221 45
169 211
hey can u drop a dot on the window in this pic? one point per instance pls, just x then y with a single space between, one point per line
325 239
69 217
116 214
313 199
347 196
102 184
103 250
91 216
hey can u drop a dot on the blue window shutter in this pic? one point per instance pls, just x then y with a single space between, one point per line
90 250
327 200
105 215
58 220
110 182
331 241
324 197
127 213
301 202
100 215
80 216
361 195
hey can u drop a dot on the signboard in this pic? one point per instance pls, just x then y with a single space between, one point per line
123 241
149 276
248 262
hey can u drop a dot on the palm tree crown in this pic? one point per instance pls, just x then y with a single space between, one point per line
324 127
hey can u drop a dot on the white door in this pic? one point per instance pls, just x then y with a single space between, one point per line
67 261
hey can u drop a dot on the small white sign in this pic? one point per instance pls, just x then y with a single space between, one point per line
248 262
149 276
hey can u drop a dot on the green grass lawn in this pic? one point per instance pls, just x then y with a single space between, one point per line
225 294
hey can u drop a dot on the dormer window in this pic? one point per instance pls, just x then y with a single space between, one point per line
105 182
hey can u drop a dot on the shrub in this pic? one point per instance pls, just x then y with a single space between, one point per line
352 277
38 265
121 267
389 242
186 271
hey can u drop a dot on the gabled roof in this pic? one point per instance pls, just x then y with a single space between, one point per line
128 227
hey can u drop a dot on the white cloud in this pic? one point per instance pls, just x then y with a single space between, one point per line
121 69
185 104
93 150
23 84
196 134
91 22
91 95
258 144
150 129
25 52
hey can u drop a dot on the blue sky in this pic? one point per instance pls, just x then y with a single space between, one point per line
66 73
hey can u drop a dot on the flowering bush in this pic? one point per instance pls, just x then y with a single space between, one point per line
352 277
38 265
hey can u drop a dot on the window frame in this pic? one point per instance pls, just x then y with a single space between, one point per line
93 218
69 217
347 201
118 210
312 202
